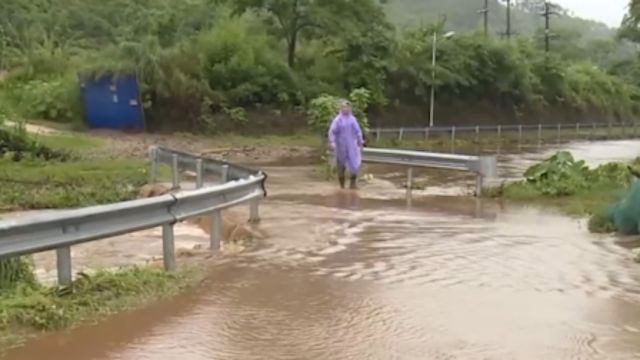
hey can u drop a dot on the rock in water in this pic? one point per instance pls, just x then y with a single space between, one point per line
151 190
234 228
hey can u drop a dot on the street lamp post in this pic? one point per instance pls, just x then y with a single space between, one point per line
433 74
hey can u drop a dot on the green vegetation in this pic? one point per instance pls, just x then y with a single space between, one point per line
30 308
323 110
463 16
17 145
255 66
44 173
35 184
15 271
573 187
69 142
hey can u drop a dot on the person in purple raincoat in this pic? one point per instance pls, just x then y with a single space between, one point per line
346 141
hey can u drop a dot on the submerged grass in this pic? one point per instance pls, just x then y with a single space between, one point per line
28 309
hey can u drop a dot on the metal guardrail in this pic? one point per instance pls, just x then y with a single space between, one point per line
557 132
482 166
62 229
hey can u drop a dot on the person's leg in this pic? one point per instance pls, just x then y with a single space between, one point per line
353 183
341 173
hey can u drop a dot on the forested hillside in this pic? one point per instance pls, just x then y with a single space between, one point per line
254 65
462 15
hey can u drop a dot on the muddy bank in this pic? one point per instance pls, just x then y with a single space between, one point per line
121 145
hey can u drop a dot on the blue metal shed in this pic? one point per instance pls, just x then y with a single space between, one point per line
112 102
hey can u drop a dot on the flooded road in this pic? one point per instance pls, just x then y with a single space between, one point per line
368 276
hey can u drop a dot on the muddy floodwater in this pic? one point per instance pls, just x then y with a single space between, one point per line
369 275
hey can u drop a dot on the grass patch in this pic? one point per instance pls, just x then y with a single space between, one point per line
574 188
583 203
74 142
37 184
29 309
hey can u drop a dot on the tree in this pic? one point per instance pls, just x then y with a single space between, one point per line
630 28
290 19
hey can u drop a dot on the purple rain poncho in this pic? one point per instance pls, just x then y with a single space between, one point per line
345 135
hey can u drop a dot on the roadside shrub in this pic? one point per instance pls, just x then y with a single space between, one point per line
323 109
16 145
15 271
55 99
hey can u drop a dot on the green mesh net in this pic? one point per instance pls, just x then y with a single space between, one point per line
625 214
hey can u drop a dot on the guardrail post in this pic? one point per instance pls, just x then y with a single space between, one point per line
199 181
216 230
477 134
254 211
500 133
453 139
63 265
153 164
168 247
479 184
409 181
426 134
539 134
558 138
378 134
520 135
593 131
400 133
578 130
224 173
175 171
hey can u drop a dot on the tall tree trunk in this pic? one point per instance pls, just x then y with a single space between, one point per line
291 49
293 36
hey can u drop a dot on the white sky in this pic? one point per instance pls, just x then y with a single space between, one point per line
607 11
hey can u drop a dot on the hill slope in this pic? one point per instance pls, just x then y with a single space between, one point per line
462 15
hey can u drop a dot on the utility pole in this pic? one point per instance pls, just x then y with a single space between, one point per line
485 12
548 11
508 31
434 44
508 19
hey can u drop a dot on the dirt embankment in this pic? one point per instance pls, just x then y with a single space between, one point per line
123 145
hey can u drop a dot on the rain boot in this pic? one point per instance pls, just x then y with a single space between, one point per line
353 183
341 180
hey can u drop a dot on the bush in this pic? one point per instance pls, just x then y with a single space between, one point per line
15 271
559 175
323 110
56 99
16 145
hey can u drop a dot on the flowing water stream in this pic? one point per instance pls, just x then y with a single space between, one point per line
368 275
